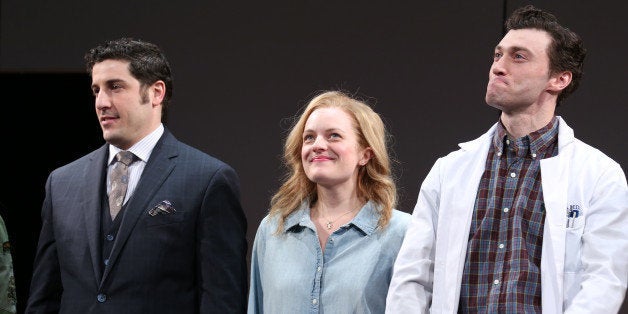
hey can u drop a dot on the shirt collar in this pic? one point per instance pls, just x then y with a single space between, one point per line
539 140
544 137
499 136
366 220
299 217
141 149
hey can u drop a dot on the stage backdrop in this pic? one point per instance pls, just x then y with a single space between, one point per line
242 71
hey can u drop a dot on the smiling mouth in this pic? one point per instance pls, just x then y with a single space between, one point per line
320 159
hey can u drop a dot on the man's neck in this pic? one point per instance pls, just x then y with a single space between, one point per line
519 125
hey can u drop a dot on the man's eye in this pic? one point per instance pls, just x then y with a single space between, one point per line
497 55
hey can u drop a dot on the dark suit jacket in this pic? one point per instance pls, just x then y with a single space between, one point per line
190 261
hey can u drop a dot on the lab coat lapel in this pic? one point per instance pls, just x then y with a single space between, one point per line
461 184
555 185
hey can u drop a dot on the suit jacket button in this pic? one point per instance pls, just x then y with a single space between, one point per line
101 297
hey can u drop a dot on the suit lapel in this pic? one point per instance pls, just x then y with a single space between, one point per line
92 201
159 166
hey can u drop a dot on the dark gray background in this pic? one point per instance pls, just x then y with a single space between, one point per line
242 70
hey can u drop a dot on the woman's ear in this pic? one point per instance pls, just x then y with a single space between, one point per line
367 154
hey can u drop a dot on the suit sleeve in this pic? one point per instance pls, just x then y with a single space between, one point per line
222 246
46 288
411 285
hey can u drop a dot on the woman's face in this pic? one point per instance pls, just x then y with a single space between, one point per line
330 152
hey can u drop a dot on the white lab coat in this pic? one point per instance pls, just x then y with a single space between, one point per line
584 269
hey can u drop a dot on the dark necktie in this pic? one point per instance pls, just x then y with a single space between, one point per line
119 180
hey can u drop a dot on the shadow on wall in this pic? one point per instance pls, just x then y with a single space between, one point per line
54 124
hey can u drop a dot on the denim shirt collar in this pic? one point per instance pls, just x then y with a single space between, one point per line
366 220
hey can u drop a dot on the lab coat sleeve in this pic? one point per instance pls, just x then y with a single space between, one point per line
604 246
411 288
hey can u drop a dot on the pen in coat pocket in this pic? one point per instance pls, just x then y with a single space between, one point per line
573 212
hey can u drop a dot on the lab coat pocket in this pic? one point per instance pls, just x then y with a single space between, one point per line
572 287
573 246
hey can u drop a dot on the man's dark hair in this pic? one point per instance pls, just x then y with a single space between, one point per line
147 63
566 51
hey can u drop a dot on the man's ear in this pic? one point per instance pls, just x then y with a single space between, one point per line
559 81
158 89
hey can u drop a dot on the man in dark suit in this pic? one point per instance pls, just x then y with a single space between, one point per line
178 242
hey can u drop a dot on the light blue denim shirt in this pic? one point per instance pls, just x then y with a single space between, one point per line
291 274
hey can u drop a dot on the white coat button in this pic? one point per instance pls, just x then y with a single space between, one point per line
314 301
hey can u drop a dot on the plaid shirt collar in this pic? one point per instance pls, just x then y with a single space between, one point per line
538 140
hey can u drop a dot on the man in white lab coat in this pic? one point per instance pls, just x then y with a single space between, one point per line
526 218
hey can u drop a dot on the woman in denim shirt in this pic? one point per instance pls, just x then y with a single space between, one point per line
332 234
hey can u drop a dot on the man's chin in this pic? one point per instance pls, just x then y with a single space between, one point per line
493 102
111 138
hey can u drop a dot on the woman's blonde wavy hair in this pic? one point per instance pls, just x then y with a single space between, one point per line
375 180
